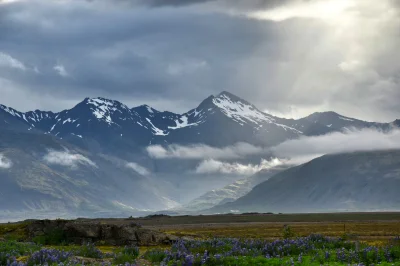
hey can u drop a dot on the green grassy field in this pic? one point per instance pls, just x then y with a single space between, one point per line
370 227
371 230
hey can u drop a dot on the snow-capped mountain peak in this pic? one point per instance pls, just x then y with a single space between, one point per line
240 110
220 120
103 109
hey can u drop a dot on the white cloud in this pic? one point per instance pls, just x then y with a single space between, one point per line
214 166
5 162
138 168
60 69
294 152
306 148
201 151
7 60
322 9
8 1
66 158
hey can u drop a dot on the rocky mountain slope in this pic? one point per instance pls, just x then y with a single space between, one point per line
359 181
42 174
230 192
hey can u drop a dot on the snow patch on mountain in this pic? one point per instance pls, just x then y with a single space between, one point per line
103 109
10 111
156 130
183 122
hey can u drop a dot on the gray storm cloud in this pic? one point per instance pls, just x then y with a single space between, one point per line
67 158
173 54
5 163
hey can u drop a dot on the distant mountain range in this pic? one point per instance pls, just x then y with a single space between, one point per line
220 120
92 158
357 181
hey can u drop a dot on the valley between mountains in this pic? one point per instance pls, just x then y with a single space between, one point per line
102 158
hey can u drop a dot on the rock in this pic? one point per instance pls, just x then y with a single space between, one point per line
82 231
2 239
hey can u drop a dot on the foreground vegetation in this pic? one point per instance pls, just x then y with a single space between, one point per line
211 240
311 250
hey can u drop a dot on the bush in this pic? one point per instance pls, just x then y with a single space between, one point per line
288 232
54 237
155 255
127 255
89 250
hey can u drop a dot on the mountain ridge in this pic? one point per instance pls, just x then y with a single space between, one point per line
353 181
150 126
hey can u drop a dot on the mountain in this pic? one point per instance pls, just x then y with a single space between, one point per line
101 163
321 123
230 192
359 181
103 125
42 174
98 120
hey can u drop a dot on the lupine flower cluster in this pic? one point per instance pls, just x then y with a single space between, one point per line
48 256
89 250
300 251
23 256
312 250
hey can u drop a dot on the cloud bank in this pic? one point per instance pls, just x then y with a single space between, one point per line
293 152
306 148
201 151
66 158
138 168
5 163
212 166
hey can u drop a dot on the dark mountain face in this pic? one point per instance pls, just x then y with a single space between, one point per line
360 181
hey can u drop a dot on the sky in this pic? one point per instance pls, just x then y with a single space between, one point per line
288 57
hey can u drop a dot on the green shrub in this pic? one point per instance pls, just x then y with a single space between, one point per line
88 250
15 249
288 232
155 255
54 237
127 255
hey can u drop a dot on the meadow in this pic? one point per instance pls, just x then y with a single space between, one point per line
213 240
